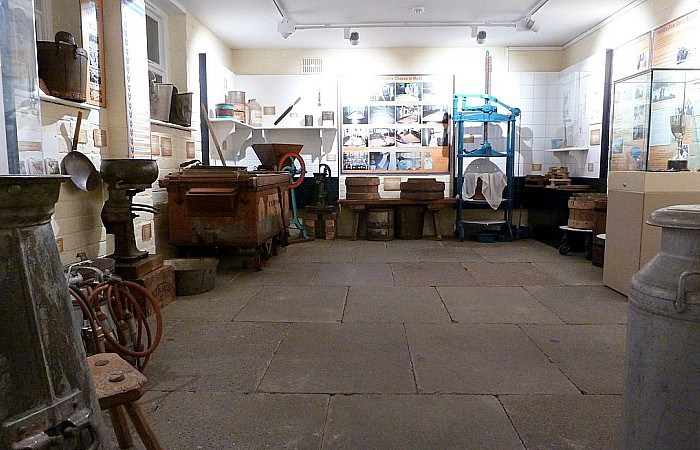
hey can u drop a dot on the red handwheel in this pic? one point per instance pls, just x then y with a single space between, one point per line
294 164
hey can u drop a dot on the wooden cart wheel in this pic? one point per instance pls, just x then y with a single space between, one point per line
294 164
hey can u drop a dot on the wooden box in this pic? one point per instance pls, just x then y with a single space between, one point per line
161 284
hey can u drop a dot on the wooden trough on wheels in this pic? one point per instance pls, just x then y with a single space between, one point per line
215 206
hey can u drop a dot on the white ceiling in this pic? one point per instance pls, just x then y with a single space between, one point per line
253 23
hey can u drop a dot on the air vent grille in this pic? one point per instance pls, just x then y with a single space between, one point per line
311 66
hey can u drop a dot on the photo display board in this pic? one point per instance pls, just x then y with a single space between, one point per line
395 124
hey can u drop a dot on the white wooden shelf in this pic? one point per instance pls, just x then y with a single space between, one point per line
59 101
580 154
240 135
223 123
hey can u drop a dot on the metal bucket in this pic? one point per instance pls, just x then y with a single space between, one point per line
380 224
161 95
181 108
662 392
63 67
194 275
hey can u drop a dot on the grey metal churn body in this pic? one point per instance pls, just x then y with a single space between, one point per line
46 395
661 401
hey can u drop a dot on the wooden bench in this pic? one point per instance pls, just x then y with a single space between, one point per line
359 206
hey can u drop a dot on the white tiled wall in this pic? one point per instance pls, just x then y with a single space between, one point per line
541 97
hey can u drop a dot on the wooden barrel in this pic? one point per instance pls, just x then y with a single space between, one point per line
409 222
380 224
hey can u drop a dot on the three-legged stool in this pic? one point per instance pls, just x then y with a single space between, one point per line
119 386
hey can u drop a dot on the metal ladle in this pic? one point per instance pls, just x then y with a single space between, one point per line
76 164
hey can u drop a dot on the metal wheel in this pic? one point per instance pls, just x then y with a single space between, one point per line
295 165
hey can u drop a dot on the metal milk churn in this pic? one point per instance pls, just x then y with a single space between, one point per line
661 400
46 394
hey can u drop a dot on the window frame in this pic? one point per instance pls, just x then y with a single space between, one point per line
43 16
159 69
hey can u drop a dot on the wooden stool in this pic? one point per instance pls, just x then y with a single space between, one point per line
119 386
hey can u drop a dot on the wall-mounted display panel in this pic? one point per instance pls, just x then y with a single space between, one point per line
395 124
675 44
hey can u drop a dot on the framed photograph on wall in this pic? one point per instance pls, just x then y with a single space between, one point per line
595 136
91 14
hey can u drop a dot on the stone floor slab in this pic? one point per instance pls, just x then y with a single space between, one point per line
564 422
431 274
283 272
357 274
395 304
526 250
341 358
221 304
281 304
495 304
481 359
216 420
418 422
390 253
307 252
592 356
454 254
583 304
573 273
510 274
215 356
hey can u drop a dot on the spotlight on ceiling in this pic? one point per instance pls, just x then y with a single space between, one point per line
352 36
286 28
481 37
527 24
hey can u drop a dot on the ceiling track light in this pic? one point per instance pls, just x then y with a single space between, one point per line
352 36
526 24
286 27
481 37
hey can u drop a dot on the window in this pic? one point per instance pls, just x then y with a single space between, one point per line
43 20
155 42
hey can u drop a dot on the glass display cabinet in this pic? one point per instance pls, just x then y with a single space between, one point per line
654 126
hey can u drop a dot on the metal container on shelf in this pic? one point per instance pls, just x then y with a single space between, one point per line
161 96
223 110
62 65
237 99
662 391
255 113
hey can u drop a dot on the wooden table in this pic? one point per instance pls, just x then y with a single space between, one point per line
359 206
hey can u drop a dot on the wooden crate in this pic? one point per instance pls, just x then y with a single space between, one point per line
160 283
582 211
